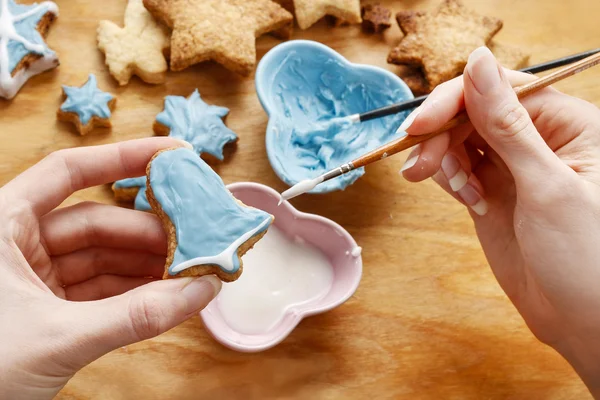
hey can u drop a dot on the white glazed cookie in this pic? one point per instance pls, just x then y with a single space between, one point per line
138 48
23 52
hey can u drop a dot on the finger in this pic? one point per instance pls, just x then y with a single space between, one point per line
90 224
85 264
426 158
474 154
500 119
141 313
103 286
48 183
447 100
456 177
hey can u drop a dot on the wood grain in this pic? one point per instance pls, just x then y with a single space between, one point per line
428 320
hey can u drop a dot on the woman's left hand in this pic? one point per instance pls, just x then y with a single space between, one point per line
80 281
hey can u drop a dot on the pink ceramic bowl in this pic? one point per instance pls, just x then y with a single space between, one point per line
333 240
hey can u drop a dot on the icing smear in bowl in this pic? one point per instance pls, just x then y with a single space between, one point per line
306 88
305 265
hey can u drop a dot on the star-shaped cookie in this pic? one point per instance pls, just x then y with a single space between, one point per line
23 51
309 12
376 18
138 48
224 31
508 56
87 106
196 122
440 42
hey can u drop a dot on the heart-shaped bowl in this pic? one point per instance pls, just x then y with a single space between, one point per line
333 241
305 88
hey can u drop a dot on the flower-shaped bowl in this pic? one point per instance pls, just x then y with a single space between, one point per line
321 233
306 88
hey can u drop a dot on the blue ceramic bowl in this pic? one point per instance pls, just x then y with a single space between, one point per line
303 85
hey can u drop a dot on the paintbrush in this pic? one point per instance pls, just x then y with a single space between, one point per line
410 104
408 141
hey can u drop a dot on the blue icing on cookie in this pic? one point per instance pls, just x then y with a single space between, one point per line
306 88
210 224
141 201
197 123
87 101
25 19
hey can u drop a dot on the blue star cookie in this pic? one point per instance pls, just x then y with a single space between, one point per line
196 122
87 106
23 52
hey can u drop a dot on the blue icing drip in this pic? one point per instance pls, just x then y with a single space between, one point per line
87 101
309 90
26 28
141 201
206 216
197 123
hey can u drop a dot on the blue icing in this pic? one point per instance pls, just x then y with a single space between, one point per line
141 201
206 216
197 123
26 28
304 87
87 101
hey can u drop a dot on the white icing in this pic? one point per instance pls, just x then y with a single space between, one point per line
225 258
279 273
356 251
301 187
9 84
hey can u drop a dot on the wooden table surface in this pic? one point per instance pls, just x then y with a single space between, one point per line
428 320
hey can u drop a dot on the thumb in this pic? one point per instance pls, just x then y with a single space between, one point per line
142 313
501 120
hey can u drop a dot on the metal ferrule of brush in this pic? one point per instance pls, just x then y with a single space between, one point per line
338 171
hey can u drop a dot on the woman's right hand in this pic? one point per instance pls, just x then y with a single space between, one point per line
529 172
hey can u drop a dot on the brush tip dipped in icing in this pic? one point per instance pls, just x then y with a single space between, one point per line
300 188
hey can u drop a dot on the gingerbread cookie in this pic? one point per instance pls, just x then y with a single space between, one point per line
440 42
23 51
208 230
136 49
508 56
308 12
224 31
195 122
87 107
375 18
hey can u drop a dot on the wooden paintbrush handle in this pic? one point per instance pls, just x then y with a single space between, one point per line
407 142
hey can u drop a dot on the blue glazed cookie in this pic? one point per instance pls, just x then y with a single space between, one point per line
23 51
87 107
196 122
208 229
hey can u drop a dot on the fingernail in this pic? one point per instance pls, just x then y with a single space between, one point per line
200 291
185 144
473 199
409 120
412 159
457 177
483 70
